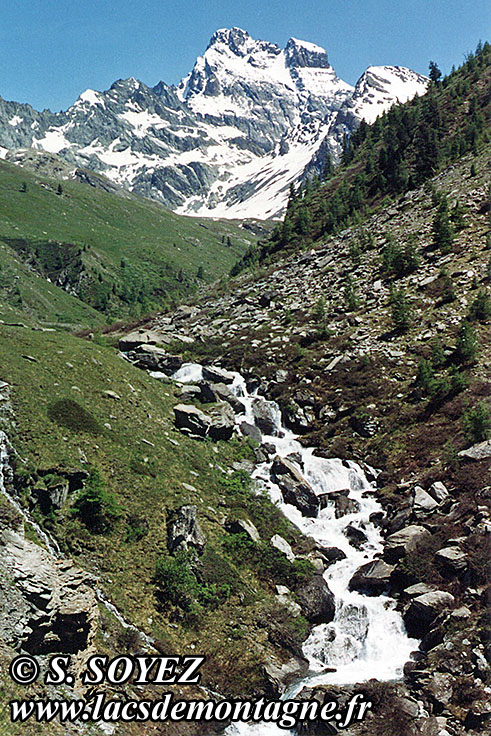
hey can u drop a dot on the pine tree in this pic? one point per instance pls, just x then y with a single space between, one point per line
434 72
328 169
401 310
350 295
443 232
467 343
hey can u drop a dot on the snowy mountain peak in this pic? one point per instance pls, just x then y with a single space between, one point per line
380 87
248 120
305 54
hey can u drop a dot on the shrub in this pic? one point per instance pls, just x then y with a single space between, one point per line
95 506
319 311
467 344
350 295
425 378
477 423
175 580
447 288
401 311
136 529
443 232
480 309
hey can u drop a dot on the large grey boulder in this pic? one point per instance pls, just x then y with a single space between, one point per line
217 375
184 533
152 358
406 540
282 546
250 430
294 488
372 578
242 526
218 424
136 339
265 417
438 491
453 561
316 600
424 609
481 451
343 504
211 392
423 503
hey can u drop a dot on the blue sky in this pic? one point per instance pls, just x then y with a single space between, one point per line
51 50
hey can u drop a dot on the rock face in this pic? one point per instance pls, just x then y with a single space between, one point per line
218 423
250 115
47 606
294 487
317 601
184 533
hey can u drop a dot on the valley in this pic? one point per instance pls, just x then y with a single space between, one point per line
261 442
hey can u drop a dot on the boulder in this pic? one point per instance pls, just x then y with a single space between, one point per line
281 674
295 489
345 505
250 430
331 554
221 392
453 561
241 526
424 609
357 537
152 358
190 392
184 532
217 375
282 546
265 416
406 540
135 339
438 491
422 503
481 451
372 578
218 423
316 600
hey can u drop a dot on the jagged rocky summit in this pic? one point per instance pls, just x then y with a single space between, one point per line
248 120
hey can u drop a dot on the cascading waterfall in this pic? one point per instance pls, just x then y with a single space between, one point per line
367 638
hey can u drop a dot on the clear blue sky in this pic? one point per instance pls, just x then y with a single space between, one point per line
51 50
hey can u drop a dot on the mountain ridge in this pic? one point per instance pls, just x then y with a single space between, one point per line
227 141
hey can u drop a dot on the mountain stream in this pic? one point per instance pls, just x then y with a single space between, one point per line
367 638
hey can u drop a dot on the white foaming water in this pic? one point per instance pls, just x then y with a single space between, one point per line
367 638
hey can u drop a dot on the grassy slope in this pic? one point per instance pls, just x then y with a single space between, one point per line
154 242
146 480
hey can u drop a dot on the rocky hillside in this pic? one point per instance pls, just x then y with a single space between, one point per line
375 344
245 123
